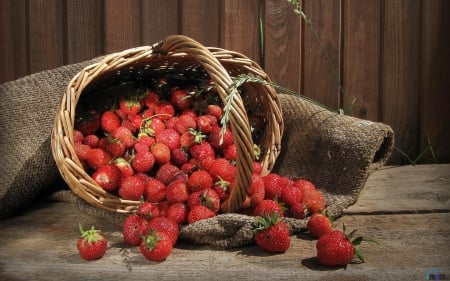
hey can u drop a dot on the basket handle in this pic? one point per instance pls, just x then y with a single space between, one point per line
238 115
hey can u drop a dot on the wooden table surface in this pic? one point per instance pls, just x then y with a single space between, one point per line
405 208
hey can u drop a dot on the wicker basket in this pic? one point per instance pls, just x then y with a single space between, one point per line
178 55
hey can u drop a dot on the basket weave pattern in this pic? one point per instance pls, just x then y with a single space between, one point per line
179 55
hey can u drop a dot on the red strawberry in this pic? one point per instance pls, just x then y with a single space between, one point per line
205 123
255 193
219 140
124 166
124 135
319 224
87 122
77 136
161 153
91 140
155 190
199 212
199 180
267 207
214 110
166 225
153 126
181 99
108 177
145 140
169 137
298 211
257 168
156 246
82 150
191 137
98 157
165 110
272 234
177 192
230 152
91 244
166 173
134 228
335 248
113 146
184 123
143 161
131 188
314 201
202 151
130 106
223 189
109 121
207 197
148 210
221 168
151 100
291 194
178 213
273 184
179 156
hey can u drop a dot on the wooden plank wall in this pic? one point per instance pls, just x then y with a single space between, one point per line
392 56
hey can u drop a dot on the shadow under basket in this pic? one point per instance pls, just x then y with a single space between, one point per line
182 59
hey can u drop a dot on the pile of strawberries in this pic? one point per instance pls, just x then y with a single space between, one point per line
169 147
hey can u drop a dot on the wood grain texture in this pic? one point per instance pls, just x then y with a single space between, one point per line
400 73
122 25
40 244
13 40
159 19
282 44
200 19
361 57
318 81
46 34
435 96
240 27
84 30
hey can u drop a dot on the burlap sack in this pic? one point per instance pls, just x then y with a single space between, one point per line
336 152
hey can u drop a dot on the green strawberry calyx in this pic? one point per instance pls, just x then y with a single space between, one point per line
91 236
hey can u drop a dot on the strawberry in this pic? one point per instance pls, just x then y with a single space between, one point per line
272 234
109 121
179 156
199 180
337 249
131 188
124 135
291 194
181 99
145 140
221 168
153 126
205 123
257 168
124 167
223 189
219 140
82 150
130 106
77 136
108 177
87 122
178 213
148 210
298 211
113 146
156 246
165 110
202 151
166 225
319 224
199 212
268 207
207 197
92 244
151 100
230 152
143 161
166 173
160 152
191 137
98 157
255 193
155 190
177 192
273 184
184 123
169 137
133 229
314 201
91 140
214 110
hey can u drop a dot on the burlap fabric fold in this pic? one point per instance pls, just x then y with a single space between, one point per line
335 152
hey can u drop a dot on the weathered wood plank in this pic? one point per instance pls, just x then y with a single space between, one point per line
159 19
41 245
400 72
282 44
405 189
